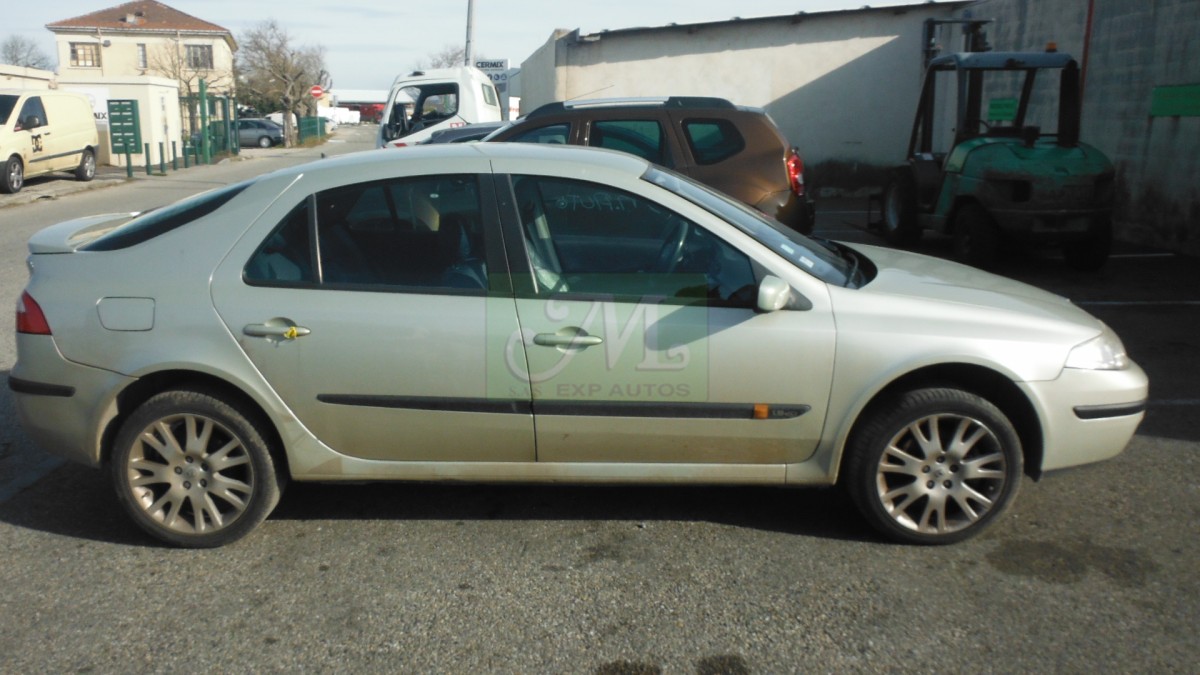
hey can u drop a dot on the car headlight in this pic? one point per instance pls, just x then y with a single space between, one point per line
1103 352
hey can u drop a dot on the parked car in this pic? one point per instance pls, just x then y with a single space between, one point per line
468 133
512 312
45 131
735 149
259 132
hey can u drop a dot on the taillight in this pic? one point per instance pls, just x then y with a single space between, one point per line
795 172
30 318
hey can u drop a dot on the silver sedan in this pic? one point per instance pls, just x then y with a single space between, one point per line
497 312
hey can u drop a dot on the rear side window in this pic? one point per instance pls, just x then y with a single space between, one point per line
160 221
713 141
643 138
420 234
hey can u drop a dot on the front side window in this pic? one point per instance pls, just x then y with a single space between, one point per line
199 57
592 240
414 233
643 138
32 116
85 55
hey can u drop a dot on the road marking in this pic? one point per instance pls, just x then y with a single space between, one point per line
1142 255
25 476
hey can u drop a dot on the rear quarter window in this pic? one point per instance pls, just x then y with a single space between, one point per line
713 141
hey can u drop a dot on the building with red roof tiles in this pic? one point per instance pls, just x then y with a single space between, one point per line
146 38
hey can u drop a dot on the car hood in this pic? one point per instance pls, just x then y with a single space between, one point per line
921 277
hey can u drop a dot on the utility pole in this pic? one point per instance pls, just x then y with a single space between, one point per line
469 52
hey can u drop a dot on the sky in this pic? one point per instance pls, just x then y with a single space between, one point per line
368 43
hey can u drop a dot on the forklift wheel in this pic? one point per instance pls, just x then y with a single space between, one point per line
976 238
1090 254
900 226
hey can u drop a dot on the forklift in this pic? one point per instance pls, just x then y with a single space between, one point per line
991 175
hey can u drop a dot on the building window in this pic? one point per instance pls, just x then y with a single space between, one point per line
85 55
200 57
141 56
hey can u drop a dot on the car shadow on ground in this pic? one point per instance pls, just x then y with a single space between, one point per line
77 502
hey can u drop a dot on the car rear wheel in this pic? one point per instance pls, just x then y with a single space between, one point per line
264 142
87 167
14 175
976 237
193 471
900 226
934 466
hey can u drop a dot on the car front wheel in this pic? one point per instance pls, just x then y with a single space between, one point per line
193 471
934 466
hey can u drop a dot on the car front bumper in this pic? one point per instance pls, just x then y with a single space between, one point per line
1088 415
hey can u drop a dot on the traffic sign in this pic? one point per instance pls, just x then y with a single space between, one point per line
316 91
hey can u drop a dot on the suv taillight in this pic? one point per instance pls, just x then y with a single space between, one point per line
795 172
30 318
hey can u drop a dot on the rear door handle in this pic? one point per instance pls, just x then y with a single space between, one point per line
284 331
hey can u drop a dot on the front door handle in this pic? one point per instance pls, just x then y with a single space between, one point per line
285 331
569 338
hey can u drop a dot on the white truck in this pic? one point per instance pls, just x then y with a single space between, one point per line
423 102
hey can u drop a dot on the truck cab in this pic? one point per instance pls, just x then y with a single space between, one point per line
425 101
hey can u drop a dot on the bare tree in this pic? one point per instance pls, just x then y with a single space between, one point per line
18 50
170 60
450 56
273 69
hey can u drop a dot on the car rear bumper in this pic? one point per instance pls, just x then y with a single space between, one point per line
1088 415
798 213
62 406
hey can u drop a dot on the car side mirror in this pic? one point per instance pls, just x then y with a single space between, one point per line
773 294
32 122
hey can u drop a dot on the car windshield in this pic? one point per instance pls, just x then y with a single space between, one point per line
824 260
7 103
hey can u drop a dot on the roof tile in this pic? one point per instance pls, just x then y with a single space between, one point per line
147 15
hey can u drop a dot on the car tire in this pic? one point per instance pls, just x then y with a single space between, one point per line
1089 255
194 471
933 466
900 226
264 142
976 237
14 176
87 166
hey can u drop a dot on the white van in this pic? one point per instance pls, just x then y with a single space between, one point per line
423 102
44 131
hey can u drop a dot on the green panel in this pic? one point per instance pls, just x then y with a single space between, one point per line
1182 100
1002 110
124 127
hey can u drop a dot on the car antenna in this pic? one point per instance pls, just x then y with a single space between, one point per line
595 91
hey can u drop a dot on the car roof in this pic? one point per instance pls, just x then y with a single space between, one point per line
597 158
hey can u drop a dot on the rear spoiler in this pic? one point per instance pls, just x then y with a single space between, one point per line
69 236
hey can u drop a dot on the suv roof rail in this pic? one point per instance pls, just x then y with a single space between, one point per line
661 101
